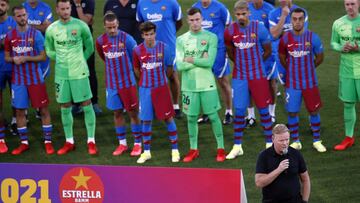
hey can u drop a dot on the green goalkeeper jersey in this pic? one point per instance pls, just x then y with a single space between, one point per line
70 44
202 47
347 30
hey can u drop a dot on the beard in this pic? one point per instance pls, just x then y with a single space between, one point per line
2 13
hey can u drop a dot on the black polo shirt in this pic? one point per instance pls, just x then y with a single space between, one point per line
286 187
126 16
88 7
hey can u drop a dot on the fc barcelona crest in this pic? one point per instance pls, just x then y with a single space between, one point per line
203 42
31 41
74 32
9 27
212 14
264 15
121 45
307 44
253 35
41 13
163 8
160 55
358 29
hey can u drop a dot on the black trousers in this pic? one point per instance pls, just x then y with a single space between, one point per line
93 79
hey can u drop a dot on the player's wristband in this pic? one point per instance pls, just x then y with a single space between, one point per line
78 5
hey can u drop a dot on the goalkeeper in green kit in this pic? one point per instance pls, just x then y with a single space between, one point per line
195 56
68 41
345 39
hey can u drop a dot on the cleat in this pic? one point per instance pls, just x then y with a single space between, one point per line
319 146
13 129
144 157
203 119
346 143
120 149
193 154
178 114
273 119
250 122
268 145
235 151
3 148
22 148
76 110
38 114
175 156
66 148
92 149
296 145
49 149
228 119
136 151
98 111
220 155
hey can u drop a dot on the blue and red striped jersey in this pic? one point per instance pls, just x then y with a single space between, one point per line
300 51
28 43
247 42
152 63
117 54
5 27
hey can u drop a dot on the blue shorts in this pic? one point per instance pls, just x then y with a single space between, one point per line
270 68
280 69
45 67
155 102
221 65
21 95
5 77
240 94
113 100
311 98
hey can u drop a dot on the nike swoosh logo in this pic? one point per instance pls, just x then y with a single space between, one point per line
167 113
145 9
115 6
290 45
132 105
142 57
236 36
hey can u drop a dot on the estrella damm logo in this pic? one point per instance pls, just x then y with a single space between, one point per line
81 184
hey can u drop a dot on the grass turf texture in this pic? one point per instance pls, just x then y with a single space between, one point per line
334 175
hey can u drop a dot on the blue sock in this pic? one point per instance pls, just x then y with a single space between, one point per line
146 130
136 131
315 126
120 132
293 124
47 131
266 123
2 132
239 125
172 131
23 132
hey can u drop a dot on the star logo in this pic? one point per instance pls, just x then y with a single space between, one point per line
81 180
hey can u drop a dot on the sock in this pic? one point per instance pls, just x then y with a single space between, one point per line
239 125
67 121
176 106
315 126
47 131
272 110
2 131
13 120
217 129
91 139
136 131
229 111
193 131
90 120
121 134
23 132
293 124
266 124
251 112
349 118
147 131
172 131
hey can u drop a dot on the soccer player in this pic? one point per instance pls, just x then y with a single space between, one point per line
345 39
280 22
248 45
259 10
68 41
167 16
301 51
85 11
215 18
125 10
153 61
39 17
115 48
24 48
7 23
195 56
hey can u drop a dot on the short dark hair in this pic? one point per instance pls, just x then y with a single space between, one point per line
18 7
63 1
7 1
193 11
110 16
298 10
147 26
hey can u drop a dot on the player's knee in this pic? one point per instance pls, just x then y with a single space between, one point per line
292 114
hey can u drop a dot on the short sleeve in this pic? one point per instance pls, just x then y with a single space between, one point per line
318 47
39 41
264 36
261 163
90 7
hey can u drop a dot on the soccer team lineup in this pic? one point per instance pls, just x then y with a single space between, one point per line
237 60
